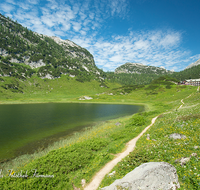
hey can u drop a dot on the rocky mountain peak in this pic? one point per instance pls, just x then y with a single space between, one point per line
139 68
193 64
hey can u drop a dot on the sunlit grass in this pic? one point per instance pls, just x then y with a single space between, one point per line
160 148
81 156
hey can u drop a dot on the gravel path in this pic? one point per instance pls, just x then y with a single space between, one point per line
94 184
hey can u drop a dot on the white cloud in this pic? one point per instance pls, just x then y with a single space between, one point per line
81 22
118 7
33 1
43 30
6 7
24 6
91 15
170 40
52 4
195 57
141 44
48 21
116 58
76 26
66 27
83 33
82 15
11 2
157 48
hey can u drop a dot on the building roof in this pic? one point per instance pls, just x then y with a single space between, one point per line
193 80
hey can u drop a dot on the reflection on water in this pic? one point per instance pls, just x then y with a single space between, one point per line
28 125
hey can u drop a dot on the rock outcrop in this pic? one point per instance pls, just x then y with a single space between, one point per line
193 64
85 98
177 136
141 69
151 175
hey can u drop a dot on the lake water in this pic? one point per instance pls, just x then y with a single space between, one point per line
27 127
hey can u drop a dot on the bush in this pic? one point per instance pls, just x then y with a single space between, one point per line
168 87
137 120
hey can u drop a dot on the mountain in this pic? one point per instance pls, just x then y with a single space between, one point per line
139 68
137 73
193 64
189 73
23 53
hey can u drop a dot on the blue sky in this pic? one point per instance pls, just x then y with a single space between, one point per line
152 32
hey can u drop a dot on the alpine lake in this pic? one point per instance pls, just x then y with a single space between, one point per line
25 128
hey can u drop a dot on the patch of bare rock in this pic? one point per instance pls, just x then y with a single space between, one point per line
85 98
177 136
151 175
118 123
184 160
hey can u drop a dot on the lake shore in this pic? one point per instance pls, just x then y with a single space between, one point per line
43 124
82 158
65 141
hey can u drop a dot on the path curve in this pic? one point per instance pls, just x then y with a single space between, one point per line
94 184
181 104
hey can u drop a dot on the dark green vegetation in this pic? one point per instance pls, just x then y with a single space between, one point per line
160 84
134 73
24 53
191 73
144 78
141 69
131 79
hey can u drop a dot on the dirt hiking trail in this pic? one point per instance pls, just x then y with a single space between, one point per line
94 184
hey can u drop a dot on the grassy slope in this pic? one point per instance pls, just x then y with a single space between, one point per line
84 155
36 89
184 121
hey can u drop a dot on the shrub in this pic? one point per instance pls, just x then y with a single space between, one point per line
137 120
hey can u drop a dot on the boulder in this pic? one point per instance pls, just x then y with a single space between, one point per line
85 98
118 123
184 160
83 182
148 136
151 175
177 136
112 174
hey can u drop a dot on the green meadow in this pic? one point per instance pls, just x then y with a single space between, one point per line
64 164
160 148
35 89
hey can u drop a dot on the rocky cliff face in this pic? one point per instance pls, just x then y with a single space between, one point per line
141 69
73 49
